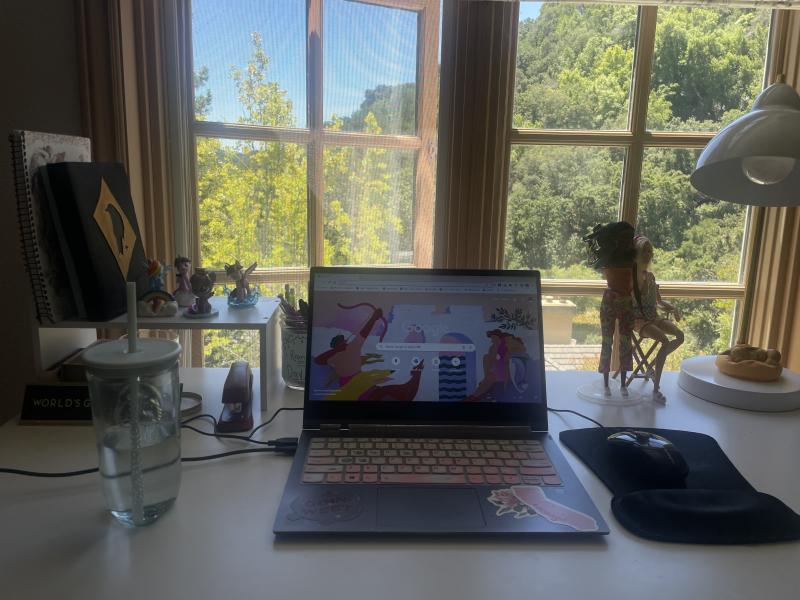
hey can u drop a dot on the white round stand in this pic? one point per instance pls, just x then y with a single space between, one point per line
700 377
597 393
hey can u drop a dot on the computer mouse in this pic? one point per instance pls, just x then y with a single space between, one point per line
648 456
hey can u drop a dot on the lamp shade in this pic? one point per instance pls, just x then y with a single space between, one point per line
756 159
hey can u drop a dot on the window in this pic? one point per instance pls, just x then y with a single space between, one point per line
613 105
315 129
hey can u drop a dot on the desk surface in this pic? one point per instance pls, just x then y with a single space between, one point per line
58 541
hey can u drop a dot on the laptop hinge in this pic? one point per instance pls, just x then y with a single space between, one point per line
419 430
330 426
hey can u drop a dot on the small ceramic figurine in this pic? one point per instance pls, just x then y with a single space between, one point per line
241 295
611 252
183 294
156 302
749 362
203 287
648 323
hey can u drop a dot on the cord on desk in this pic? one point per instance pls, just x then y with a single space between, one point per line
574 412
280 446
272 418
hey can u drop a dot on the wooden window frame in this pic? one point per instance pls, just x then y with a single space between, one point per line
635 139
316 137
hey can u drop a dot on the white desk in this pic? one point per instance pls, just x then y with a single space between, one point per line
56 540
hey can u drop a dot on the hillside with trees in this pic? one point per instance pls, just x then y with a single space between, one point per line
574 66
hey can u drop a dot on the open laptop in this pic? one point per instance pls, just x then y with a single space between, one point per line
425 410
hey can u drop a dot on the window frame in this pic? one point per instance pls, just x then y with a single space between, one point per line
316 138
635 139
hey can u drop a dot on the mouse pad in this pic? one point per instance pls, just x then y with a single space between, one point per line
715 505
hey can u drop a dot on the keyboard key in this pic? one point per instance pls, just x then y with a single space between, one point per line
551 480
508 470
491 470
388 468
474 470
333 478
405 469
511 462
438 469
429 461
503 455
520 455
495 462
463 461
511 479
493 479
422 469
422 478
395 460
320 460
319 453
370 478
537 471
475 479
323 468
353 468
340 452
373 452
377 460
362 460
352 477
412 460
455 469
446 461
345 460
313 477
531 480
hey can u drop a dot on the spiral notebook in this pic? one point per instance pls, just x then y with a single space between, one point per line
42 255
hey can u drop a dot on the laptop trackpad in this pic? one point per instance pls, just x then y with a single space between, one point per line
429 509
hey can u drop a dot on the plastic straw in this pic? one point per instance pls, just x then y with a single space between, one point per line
137 483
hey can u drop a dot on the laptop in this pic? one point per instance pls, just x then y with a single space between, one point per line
425 410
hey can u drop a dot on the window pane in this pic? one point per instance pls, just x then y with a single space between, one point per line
370 68
250 61
571 332
695 238
707 326
369 206
574 65
556 195
708 66
252 203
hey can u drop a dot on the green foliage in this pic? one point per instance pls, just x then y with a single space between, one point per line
574 67
253 196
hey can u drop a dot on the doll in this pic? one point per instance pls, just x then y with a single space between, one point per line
648 323
183 294
611 251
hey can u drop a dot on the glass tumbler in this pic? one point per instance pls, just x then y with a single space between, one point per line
293 351
136 413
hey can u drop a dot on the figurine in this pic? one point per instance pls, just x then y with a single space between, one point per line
751 363
203 287
156 302
647 321
611 252
241 295
183 294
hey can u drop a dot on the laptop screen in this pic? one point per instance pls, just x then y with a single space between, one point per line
415 337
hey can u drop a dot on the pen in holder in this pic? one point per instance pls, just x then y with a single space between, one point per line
135 395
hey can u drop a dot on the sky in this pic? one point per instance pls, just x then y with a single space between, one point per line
364 46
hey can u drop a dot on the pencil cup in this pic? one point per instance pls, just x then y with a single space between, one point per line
136 413
293 352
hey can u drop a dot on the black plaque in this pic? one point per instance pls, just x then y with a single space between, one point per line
56 403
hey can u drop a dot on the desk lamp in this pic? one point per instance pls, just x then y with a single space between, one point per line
754 160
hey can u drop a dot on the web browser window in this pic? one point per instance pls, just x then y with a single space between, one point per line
425 338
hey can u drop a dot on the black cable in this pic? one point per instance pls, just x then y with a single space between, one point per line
278 449
272 418
280 445
39 474
566 410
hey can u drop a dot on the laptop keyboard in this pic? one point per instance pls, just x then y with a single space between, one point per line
428 461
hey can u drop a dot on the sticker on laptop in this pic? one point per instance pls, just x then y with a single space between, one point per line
326 508
530 501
